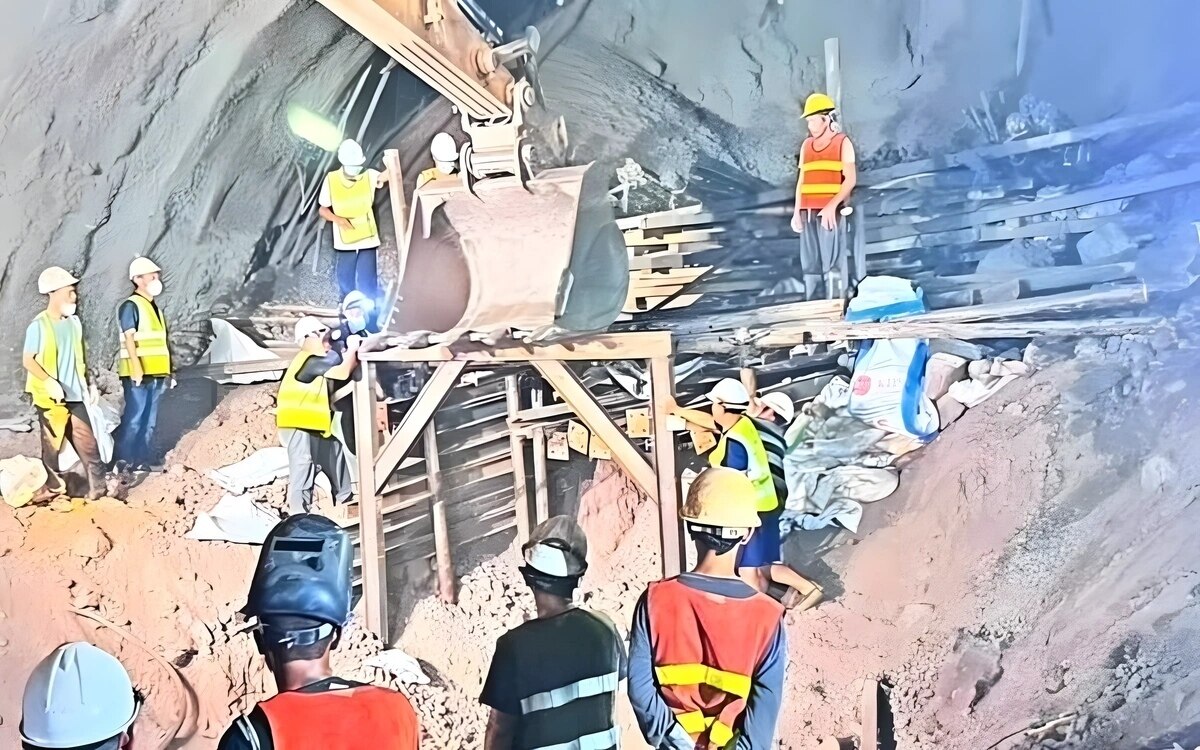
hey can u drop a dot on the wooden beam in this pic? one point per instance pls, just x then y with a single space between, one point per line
869 715
399 206
432 395
541 478
833 74
602 346
447 580
575 393
1035 279
662 395
516 444
370 521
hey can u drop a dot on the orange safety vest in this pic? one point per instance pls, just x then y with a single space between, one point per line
351 719
820 173
706 649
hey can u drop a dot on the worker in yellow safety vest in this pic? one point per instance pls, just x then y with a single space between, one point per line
347 201
444 150
305 418
144 364
56 379
827 175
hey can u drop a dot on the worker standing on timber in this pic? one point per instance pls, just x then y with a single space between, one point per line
57 380
444 150
553 680
304 415
78 697
144 364
300 599
707 652
742 447
347 201
828 174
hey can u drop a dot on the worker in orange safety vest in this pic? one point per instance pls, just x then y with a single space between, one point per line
707 652
300 601
827 175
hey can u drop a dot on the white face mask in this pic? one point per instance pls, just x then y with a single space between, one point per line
155 288
352 171
68 309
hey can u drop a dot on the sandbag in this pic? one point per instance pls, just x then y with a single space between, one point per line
887 390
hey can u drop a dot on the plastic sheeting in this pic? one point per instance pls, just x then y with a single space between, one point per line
235 518
231 345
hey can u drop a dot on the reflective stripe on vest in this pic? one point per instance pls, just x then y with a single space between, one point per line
609 738
820 173
149 340
706 649
573 692
303 406
356 202
351 719
758 470
48 359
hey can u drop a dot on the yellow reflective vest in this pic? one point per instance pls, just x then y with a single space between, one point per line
304 406
48 359
354 201
758 470
149 340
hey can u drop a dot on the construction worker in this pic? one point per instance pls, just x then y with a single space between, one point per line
78 697
707 652
144 364
57 380
444 150
300 601
553 680
304 414
347 201
827 176
743 446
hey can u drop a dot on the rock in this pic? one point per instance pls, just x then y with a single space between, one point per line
90 543
1168 264
941 371
949 410
1015 256
1108 244
1156 471
915 614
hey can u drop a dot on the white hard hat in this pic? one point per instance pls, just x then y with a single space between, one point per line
78 695
55 278
350 154
780 403
557 547
141 267
357 300
729 392
443 148
307 326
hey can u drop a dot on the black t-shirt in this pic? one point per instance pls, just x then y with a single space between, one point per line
235 738
314 367
559 677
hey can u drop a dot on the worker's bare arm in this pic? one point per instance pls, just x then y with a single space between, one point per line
33 368
326 213
501 729
347 367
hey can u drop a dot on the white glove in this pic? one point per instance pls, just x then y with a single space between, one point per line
55 389
93 395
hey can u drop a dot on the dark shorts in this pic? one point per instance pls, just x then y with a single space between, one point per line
765 547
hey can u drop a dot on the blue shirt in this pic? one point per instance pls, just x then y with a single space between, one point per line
655 718
65 335
736 456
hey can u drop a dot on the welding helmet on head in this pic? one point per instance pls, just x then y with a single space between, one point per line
555 556
303 573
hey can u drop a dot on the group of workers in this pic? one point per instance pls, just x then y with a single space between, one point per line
55 362
704 666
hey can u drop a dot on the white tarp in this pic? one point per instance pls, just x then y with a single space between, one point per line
235 518
104 418
263 466
231 345
400 665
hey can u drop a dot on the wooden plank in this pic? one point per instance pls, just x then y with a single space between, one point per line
966 330
655 261
662 395
516 443
400 218
1030 145
869 715
639 237
370 522
575 393
239 368
641 345
833 73
541 476
447 581
412 426
989 233
1035 279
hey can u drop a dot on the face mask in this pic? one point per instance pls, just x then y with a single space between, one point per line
69 309
352 171
155 288
356 325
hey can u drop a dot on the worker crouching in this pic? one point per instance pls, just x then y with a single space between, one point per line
144 364
56 379
78 697
300 600
553 680
707 651
305 417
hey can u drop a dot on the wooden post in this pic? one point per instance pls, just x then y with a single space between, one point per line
662 393
516 446
413 424
447 580
541 481
370 516
399 206
833 73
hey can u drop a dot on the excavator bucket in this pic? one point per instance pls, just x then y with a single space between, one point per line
543 259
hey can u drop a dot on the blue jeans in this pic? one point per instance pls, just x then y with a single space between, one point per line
356 269
137 422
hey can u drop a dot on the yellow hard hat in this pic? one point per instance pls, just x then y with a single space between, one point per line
723 498
818 104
